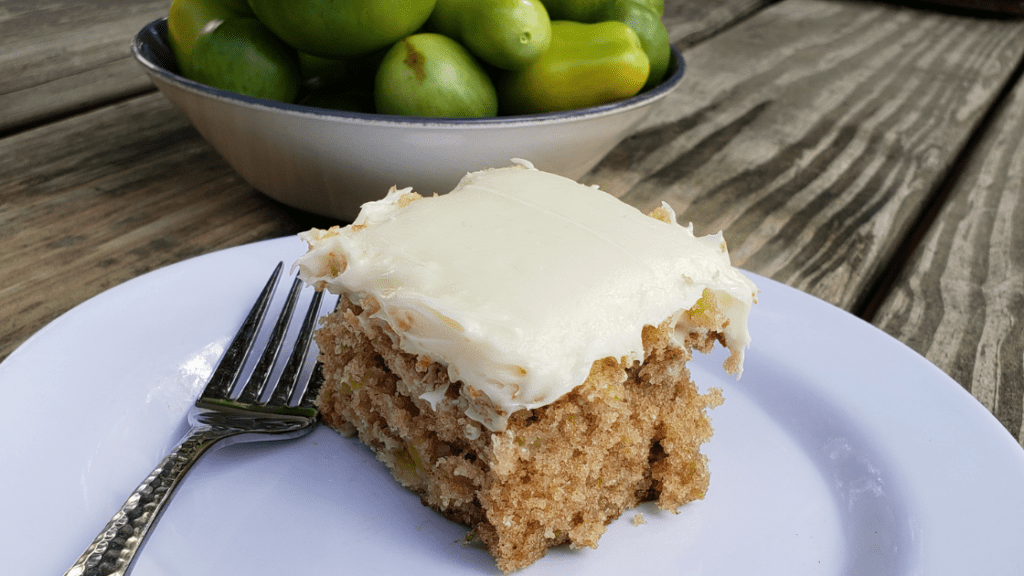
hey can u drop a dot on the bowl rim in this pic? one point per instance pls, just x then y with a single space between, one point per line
150 46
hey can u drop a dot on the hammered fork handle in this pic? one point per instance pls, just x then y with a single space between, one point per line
112 552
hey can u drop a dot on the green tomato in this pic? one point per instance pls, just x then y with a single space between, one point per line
432 75
241 55
508 34
645 20
342 28
586 65
658 6
186 20
588 11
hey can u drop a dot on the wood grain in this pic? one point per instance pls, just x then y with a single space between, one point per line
990 7
98 199
814 132
126 188
690 22
58 58
960 299
63 57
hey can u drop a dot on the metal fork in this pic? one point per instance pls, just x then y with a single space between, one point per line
218 418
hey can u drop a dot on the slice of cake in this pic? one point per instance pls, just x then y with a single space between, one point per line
515 352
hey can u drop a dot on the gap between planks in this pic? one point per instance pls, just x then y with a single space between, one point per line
880 290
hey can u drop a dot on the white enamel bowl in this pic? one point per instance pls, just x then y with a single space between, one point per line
330 162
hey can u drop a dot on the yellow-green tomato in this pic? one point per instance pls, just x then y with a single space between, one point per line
586 65
588 11
591 11
657 5
645 19
430 74
186 20
241 55
508 34
342 28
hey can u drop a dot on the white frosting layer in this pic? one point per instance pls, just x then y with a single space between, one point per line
519 280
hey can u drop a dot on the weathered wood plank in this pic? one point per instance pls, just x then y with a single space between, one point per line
690 22
110 195
960 299
60 57
1011 7
815 131
128 188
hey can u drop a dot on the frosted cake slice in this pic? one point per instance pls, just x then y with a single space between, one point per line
515 352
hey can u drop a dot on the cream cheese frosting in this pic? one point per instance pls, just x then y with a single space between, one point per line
519 280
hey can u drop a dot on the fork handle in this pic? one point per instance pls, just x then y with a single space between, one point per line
114 549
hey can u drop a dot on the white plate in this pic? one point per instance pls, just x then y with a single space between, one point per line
840 451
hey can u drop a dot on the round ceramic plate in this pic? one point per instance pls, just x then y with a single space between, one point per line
839 451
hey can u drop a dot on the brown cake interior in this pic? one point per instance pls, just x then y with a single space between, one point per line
558 474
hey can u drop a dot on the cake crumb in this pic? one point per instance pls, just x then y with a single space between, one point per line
638 426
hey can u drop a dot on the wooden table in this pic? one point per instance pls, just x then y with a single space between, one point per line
868 153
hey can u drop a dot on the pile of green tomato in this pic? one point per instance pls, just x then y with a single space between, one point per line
434 58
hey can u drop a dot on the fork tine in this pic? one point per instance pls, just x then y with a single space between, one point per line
230 366
257 381
289 377
316 380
